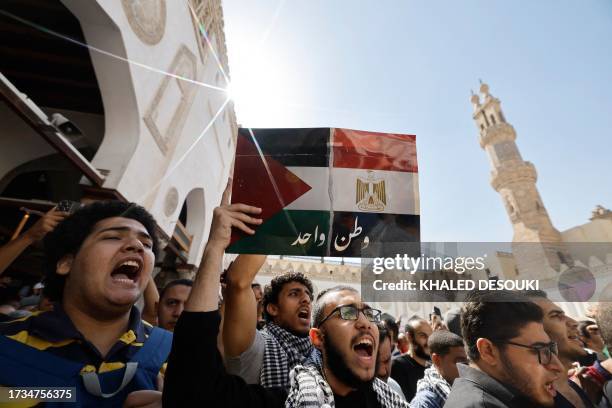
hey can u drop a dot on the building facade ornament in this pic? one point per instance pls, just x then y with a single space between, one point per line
601 213
171 202
147 18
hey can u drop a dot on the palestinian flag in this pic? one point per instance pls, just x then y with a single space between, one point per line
326 192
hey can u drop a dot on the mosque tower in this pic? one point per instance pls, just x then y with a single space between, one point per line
537 244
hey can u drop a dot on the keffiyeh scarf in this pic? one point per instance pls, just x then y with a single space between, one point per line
433 381
309 389
282 352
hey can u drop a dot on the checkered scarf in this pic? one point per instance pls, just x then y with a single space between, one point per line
309 389
434 382
282 352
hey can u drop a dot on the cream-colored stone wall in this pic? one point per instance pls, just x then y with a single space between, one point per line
598 230
162 146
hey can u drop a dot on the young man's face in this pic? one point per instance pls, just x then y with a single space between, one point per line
562 329
383 362
112 267
171 306
447 364
350 347
520 367
422 331
292 312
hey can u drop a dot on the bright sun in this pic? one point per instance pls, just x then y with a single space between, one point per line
257 91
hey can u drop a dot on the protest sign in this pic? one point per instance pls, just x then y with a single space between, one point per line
326 191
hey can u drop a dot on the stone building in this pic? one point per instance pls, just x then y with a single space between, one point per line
538 248
117 99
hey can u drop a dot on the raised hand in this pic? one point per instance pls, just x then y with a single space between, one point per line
229 215
45 224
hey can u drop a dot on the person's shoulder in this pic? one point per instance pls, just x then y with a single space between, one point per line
469 394
23 324
426 398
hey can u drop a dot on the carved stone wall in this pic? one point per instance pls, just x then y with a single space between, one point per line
210 18
314 270
147 19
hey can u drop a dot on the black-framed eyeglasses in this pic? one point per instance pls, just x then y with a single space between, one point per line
351 312
545 351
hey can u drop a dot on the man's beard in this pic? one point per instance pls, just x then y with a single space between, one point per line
338 366
419 351
516 378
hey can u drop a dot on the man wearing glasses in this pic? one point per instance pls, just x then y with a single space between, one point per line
344 331
346 334
513 362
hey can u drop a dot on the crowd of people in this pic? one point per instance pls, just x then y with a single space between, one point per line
223 341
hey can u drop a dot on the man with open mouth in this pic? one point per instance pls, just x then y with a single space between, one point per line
513 362
99 261
563 330
266 356
345 333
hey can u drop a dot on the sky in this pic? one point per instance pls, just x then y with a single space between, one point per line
407 67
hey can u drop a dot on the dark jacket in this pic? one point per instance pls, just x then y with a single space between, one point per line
474 389
196 377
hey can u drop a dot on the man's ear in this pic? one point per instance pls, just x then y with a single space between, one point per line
64 265
436 359
487 350
272 309
316 338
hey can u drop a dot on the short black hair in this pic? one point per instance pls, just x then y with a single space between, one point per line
69 235
391 325
184 282
319 306
272 290
582 327
604 322
441 341
409 327
497 315
383 333
538 294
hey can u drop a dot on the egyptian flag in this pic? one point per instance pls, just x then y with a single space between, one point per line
326 192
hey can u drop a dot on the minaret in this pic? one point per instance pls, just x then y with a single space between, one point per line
515 180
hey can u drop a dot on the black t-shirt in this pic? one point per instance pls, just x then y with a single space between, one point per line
363 398
196 376
406 371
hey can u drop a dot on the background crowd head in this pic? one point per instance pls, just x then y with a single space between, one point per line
590 335
446 350
287 302
172 300
561 328
385 347
418 331
604 322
